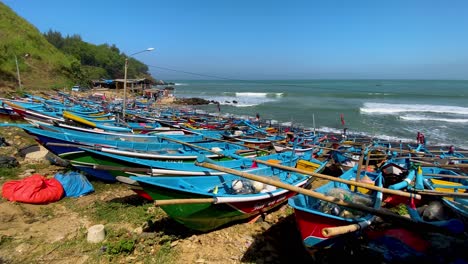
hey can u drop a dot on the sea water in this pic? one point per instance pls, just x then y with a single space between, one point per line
388 109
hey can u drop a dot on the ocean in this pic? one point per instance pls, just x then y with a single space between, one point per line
386 109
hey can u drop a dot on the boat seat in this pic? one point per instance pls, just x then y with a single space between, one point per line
447 186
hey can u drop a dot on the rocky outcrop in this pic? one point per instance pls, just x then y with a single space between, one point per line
191 101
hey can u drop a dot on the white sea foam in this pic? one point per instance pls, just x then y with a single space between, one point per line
379 93
249 94
392 109
180 84
363 134
433 118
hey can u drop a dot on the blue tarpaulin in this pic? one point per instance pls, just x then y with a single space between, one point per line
74 184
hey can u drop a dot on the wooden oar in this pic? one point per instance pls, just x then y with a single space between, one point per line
336 179
382 212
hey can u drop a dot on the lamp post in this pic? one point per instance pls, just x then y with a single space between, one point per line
125 79
18 73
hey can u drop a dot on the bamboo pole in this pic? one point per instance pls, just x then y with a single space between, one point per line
340 230
454 166
382 212
367 161
446 176
439 158
439 193
422 162
336 179
185 201
442 151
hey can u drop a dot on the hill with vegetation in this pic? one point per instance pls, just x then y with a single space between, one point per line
97 61
52 61
40 64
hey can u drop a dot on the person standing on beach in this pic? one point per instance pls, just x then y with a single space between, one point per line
420 139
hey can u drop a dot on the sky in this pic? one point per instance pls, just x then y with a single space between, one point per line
256 39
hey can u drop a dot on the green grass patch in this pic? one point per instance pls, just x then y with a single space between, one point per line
165 254
124 246
111 212
121 215
9 173
289 210
47 212
36 166
4 240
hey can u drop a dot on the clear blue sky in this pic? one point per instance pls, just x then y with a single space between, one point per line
250 39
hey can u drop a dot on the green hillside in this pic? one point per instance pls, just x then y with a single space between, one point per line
41 65
52 61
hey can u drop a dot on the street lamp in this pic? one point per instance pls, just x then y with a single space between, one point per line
125 79
18 71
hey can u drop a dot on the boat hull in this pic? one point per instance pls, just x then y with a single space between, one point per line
209 216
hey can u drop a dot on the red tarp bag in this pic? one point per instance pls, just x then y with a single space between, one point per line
35 189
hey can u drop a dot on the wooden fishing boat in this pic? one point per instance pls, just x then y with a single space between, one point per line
442 184
420 151
454 156
345 156
315 216
36 114
116 136
7 111
111 166
219 200
447 181
95 124
63 145
252 141
113 125
298 149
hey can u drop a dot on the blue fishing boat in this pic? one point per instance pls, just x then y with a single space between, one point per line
63 145
443 180
313 216
116 136
218 200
